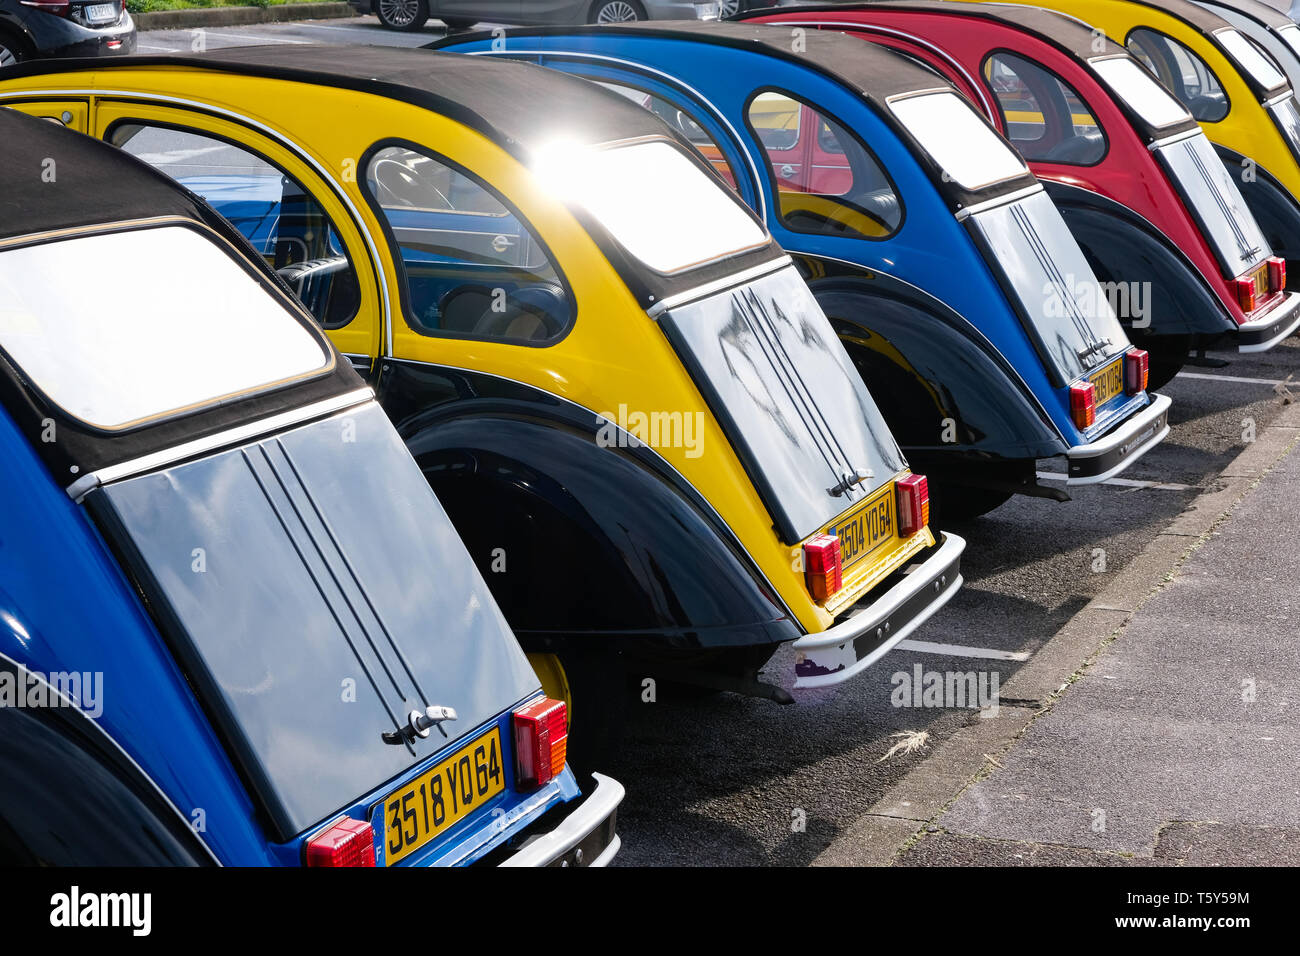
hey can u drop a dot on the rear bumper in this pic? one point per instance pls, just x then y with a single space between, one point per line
1112 453
58 38
872 627
586 837
1263 333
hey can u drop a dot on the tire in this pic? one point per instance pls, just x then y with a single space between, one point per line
616 11
404 15
458 23
598 694
12 50
963 503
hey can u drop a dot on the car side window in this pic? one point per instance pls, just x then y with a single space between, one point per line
684 123
1182 71
827 182
281 219
1044 117
472 267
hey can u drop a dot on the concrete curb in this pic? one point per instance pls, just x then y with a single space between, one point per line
916 802
236 16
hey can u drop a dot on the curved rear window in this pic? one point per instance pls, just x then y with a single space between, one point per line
1251 59
1046 119
958 139
655 202
181 325
1137 88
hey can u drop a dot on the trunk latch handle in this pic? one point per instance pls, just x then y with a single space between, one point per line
848 481
419 724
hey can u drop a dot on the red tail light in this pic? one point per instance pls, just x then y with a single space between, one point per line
1137 370
60 8
1276 274
823 570
541 742
913 504
347 843
1083 404
1244 290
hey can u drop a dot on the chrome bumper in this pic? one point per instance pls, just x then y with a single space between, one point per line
1264 333
869 631
1112 453
585 837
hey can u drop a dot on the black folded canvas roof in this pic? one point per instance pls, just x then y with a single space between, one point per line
56 180
874 73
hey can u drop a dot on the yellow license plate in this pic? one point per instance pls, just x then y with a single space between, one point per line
867 528
1261 283
1108 382
440 796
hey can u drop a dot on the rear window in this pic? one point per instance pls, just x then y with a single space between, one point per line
1251 59
207 331
958 139
1139 90
655 202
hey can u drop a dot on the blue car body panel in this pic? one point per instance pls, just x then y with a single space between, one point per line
930 250
66 606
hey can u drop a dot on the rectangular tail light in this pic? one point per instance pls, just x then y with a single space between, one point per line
347 843
1137 371
1083 404
823 568
1276 274
1244 290
541 742
913 504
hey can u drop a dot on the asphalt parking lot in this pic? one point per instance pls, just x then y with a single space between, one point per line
730 780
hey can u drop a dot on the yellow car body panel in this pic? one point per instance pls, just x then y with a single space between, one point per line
319 133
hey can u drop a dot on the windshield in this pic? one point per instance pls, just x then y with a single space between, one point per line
793 405
1215 202
1065 307
957 138
1250 59
1137 88
208 329
655 201
316 593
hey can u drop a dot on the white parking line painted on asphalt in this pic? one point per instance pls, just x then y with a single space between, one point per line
156 49
1236 378
1123 482
958 650
249 39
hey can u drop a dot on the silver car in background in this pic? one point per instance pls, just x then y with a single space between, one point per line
462 14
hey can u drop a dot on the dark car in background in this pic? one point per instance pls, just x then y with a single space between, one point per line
35 29
463 14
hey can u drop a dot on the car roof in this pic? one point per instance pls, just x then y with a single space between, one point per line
487 95
875 73
56 181
1072 36
1269 16
53 178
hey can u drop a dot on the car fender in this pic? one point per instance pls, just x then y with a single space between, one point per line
1124 247
543 491
1272 205
944 389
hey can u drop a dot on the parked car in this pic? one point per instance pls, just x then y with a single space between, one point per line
1242 101
35 29
235 611
412 15
629 403
943 264
1156 213
1268 28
